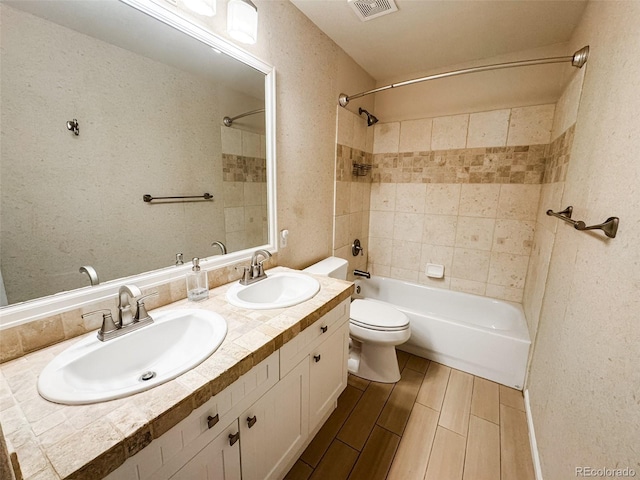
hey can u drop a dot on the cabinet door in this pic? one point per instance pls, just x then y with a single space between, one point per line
219 460
327 374
275 428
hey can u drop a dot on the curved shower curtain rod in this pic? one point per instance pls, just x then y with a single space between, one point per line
229 120
578 59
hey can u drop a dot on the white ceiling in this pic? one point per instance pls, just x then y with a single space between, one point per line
427 34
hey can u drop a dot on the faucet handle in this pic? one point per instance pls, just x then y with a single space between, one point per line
141 310
108 325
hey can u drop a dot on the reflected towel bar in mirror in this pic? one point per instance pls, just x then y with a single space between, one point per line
192 198
609 226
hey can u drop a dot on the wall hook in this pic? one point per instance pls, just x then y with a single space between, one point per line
72 125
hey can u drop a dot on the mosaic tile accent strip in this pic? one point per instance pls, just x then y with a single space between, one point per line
520 164
345 158
236 168
557 156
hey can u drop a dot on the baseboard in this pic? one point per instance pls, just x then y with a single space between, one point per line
532 438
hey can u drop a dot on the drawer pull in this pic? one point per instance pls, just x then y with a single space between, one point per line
233 438
212 421
324 329
251 421
316 358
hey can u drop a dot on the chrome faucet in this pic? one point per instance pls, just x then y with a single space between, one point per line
128 320
255 271
125 294
223 248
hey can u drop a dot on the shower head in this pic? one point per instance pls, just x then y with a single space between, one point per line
371 119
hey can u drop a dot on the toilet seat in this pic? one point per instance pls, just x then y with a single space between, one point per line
377 316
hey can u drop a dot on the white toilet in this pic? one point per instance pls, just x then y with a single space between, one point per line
375 329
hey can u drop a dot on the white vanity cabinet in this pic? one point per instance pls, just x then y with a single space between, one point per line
275 428
258 426
219 460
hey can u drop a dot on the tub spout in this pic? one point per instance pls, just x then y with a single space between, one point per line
360 273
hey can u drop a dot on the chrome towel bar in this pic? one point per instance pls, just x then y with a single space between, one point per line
609 226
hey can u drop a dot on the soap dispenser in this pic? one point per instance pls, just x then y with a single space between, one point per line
197 285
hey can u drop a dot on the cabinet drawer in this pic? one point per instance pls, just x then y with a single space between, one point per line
295 350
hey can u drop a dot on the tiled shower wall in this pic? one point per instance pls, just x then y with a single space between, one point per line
552 190
461 191
245 189
353 192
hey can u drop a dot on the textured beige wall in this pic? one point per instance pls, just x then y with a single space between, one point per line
584 376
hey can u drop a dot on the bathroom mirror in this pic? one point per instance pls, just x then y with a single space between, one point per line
104 102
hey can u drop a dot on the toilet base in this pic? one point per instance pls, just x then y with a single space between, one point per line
377 363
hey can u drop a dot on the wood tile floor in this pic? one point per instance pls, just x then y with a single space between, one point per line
436 423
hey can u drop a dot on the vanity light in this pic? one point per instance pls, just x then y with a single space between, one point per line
242 21
206 8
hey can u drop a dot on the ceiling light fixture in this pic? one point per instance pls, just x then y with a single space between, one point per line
206 8
242 21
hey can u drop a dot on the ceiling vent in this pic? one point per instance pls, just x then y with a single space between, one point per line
368 9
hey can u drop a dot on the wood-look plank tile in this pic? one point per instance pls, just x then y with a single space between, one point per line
396 412
337 462
482 460
403 358
357 382
358 426
320 443
413 453
377 455
512 398
516 463
485 401
418 364
447 456
457 403
299 471
434 385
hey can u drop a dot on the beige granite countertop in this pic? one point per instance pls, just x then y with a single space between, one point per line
55 441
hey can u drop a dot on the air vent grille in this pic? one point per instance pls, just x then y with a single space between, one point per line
369 9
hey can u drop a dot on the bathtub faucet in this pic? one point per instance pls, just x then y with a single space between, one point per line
360 273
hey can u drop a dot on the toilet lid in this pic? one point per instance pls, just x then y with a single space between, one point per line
377 316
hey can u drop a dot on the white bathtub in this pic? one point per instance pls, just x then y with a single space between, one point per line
486 337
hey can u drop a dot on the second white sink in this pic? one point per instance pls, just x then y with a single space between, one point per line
278 290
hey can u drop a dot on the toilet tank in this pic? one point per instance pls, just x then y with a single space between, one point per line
333 267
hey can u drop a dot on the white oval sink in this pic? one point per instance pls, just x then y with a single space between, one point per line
92 371
278 290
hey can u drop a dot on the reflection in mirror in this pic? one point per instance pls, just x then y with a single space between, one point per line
101 105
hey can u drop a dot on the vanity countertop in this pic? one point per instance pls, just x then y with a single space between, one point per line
55 441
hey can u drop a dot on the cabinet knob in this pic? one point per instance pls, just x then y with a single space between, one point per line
233 438
251 421
316 358
324 329
212 421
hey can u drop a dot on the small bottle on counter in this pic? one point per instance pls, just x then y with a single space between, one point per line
197 285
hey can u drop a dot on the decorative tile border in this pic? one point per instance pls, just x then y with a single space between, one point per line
558 154
345 158
521 164
236 168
